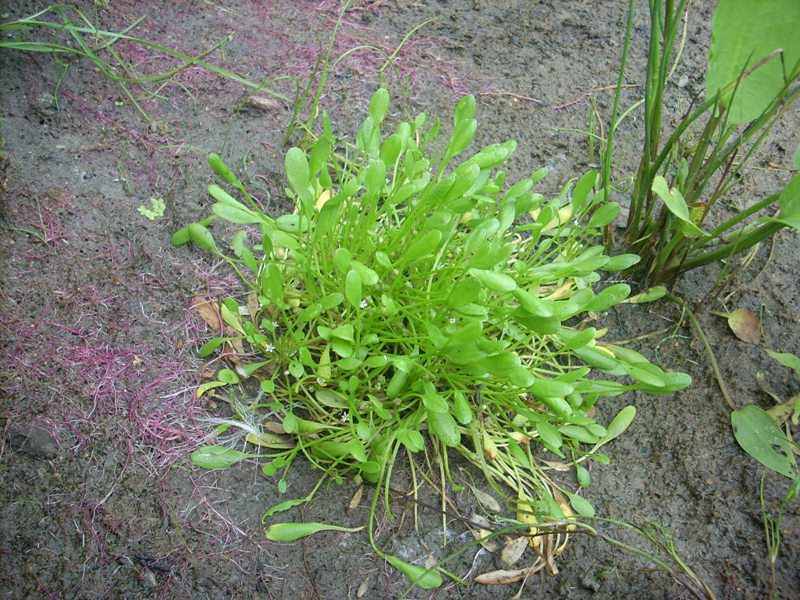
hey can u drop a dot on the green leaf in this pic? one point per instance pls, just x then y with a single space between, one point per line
434 402
319 155
282 506
202 389
411 439
597 358
532 304
582 189
353 290
577 339
375 178
368 276
217 457
444 427
550 388
581 434
272 284
208 348
464 292
202 237
645 372
742 33
290 532
673 382
423 246
499 282
292 223
620 423
298 174
581 505
500 364
181 237
228 376
787 360
605 215
608 297
465 109
583 476
494 155
461 408
222 196
221 169
291 424
331 300
760 436
650 295
621 262
673 199
548 434
789 201
241 215
461 137
421 577
390 150
379 105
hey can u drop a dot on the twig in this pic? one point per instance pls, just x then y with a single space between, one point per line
709 352
588 93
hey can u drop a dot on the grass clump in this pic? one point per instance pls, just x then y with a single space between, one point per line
414 303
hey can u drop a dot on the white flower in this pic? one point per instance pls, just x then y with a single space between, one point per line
452 320
269 348
321 382
364 303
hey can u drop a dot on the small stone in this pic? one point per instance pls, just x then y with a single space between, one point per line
264 103
149 578
33 440
683 81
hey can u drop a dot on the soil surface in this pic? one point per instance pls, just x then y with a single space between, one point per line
99 334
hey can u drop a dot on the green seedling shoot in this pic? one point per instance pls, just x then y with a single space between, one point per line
155 211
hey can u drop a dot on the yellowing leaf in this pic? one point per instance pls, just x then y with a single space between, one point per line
269 440
745 325
322 198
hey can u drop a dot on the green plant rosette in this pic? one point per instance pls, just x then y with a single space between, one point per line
416 303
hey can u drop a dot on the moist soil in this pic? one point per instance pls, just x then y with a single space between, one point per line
100 332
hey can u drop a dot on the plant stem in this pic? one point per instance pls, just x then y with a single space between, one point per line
709 352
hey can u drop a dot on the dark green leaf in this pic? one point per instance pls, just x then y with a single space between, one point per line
444 427
605 215
208 348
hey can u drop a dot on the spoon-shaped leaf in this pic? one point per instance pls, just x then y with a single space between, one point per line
217 457
420 576
289 532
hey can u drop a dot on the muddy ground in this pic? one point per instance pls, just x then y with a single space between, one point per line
98 355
